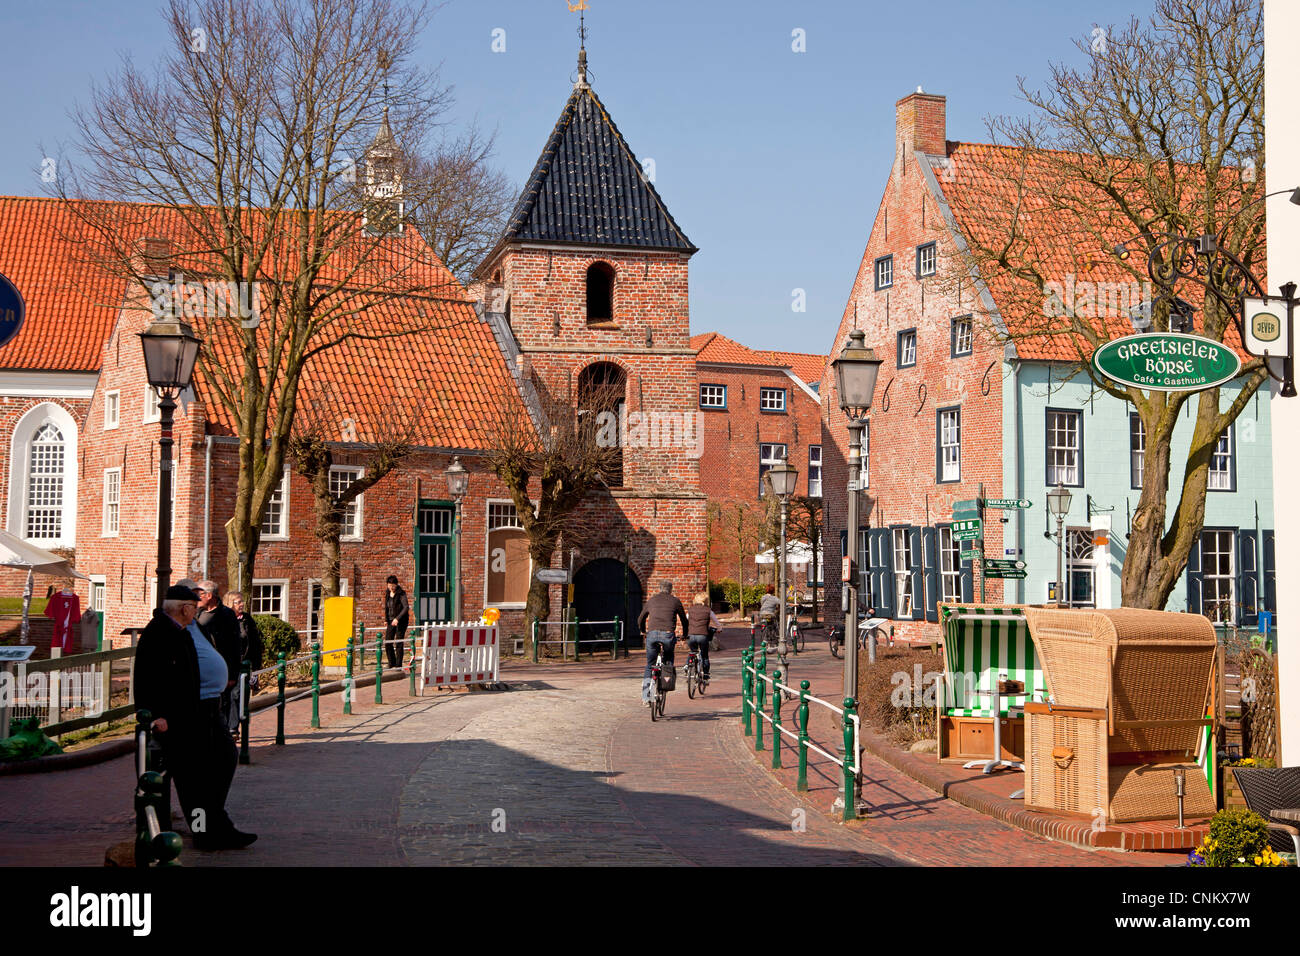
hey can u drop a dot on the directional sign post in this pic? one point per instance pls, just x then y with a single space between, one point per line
1004 564
969 506
970 555
552 575
1011 573
970 529
1007 504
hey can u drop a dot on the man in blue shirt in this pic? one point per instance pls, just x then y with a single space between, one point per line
179 678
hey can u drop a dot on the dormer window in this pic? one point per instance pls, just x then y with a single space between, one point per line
600 293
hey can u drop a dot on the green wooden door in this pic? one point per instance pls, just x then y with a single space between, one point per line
434 562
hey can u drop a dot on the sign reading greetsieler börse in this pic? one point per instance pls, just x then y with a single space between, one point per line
1167 362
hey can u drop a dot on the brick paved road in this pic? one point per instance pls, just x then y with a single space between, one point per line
568 763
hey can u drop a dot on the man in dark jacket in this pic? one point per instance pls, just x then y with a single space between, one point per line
658 621
219 624
397 615
178 678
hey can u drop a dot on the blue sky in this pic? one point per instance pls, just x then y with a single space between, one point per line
772 161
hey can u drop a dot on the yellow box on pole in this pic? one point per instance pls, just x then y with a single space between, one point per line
336 613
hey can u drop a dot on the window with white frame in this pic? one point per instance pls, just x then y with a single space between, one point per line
1137 449
152 404
112 500
509 565
340 480
949 565
906 348
1218 577
927 260
1080 568
1064 447
112 409
268 598
961 336
949 444
884 272
902 574
769 453
771 399
713 396
45 484
275 521
1222 473
814 471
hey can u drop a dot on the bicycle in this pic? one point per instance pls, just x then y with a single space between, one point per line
658 692
797 639
835 634
694 676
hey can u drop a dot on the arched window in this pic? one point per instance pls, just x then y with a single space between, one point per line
600 292
602 389
43 477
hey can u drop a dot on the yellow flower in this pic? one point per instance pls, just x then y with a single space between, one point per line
1259 861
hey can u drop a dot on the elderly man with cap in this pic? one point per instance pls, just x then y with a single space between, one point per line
658 621
179 679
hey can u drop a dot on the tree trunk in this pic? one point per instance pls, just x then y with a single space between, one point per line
538 606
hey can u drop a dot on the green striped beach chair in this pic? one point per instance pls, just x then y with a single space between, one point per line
979 645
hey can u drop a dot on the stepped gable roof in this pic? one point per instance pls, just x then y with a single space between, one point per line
981 183
715 347
588 188
71 306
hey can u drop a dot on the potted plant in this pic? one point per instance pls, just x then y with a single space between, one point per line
1237 838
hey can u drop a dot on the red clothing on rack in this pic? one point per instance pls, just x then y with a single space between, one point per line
65 611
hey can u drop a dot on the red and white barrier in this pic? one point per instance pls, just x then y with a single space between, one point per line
459 654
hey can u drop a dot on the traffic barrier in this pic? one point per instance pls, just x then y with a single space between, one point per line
754 684
460 654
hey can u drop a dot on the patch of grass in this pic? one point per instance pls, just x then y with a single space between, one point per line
14 605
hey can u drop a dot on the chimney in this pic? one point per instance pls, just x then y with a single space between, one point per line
921 124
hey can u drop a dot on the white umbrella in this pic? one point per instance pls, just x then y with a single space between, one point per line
17 553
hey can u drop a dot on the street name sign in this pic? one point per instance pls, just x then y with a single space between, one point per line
969 555
970 506
1167 362
1003 565
552 575
968 530
12 310
1006 504
1005 573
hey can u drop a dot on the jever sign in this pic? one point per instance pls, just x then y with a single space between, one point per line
1167 362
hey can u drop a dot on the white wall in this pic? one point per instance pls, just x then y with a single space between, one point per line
1282 164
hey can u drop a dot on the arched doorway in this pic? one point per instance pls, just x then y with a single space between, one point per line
602 590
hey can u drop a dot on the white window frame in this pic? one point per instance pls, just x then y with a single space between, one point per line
282 584
152 405
1077 541
884 270
1220 615
487 557
312 584
962 331
907 348
98 585
865 468
1057 471
113 403
1220 476
921 259
358 503
716 400
949 566
766 461
950 444
104 531
283 492
1137 448
20 452
767 399
902 576
814 484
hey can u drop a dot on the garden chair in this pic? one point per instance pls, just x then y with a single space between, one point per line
1274 793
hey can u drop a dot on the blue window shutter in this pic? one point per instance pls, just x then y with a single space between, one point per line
930 545
967 581
1247 580
918 574
1195 605
1270 574
883 574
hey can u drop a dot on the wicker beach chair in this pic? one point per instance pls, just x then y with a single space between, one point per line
1274 793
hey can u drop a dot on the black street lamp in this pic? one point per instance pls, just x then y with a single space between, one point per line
170 351
457 485
1058 503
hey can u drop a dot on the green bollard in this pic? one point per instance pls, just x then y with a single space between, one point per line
760 692
776 720
348 682
246 709
618 632
410 665
850 805
746 691
534 640
379 668
802 712
315 683
279 702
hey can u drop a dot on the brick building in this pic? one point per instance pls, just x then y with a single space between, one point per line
589 287
975 397
757 408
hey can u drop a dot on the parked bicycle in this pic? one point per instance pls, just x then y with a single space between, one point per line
835 634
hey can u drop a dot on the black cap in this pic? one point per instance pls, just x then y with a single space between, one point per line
179 593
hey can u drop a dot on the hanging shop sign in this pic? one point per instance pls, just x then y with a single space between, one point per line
12 310
1167 362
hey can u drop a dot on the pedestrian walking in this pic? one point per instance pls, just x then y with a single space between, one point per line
397 614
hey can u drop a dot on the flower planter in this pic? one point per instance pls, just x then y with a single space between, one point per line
1232 795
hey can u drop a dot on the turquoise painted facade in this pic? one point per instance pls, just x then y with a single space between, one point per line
1235 563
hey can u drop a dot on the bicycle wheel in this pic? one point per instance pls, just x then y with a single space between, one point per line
690 682
660 704
800 639
654 700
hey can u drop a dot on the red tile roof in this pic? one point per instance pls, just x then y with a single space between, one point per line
71 306
982 184
715 347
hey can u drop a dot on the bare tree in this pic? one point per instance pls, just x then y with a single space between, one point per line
805 524
553 453
263 154
323 431
745 531
1159 132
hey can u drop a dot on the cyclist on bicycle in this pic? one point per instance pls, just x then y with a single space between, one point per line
660 615
702 620
769 609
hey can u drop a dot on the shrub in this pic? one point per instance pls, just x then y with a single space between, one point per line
278 638
1237 837
892 703
728 590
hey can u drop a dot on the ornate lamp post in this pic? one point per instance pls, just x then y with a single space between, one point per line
170 350
781 478
1058 503
457 485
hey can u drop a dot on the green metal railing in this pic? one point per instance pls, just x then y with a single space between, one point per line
154 846
755 709
569 636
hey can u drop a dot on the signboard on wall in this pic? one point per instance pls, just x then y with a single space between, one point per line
507 566
1167 362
